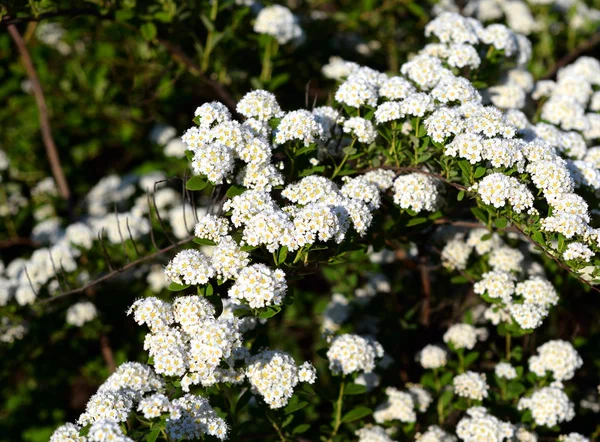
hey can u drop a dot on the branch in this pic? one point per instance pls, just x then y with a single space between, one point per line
8 20
107 354
586 46
178 54
18 241
421 171
51 150
558 261
115 272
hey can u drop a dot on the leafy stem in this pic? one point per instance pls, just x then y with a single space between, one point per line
338 411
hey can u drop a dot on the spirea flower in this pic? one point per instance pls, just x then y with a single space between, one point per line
398 406
211 227
259 104
274 374
189 267
259 286
298 125
215 161
352 353
549 406
479 425
461 336
417 192
362 129
279 22
558 357
432 356
505 371
471 385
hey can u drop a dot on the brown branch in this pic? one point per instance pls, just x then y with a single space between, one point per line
107 354
426 286
179 55
19 241
8 20
586 46
115 272
421 171
558 261
51 150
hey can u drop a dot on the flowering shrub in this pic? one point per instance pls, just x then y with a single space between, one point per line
391 266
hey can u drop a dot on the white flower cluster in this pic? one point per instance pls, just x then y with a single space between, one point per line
558 357
259 286
373 434
399 405
480 425
461 336
432 356
280 22
187 341
274 375
417 192
352 353
549 406
434 434
80 313
471 385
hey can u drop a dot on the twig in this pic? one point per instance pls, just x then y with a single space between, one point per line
19 241
107 353
421 171
178 54
51 150
8 20
426 285
586 46
558 261
116 272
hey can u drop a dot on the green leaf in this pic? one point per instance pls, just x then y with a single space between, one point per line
197 182
294 406
302 428
357 413
148 31
501 222
235 190
514 389
153 435
206 290
174 287
465 166
209 25
283 252
352 389
269 312
416 221
479 214
479 172
471 357
204 242
460 195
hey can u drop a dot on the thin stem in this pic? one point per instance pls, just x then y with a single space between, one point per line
267 65
508 347
277 428
208 47
338 411
51 150
440 404
461 361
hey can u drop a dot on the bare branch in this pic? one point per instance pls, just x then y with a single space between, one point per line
586 46
107 353
150 220
104 251
8 20
115 272
131 237
123 246
38 93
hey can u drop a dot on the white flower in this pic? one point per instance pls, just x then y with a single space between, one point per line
461 336
559 357
259 286
279 22
352 353
471 385
432 356
549 406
